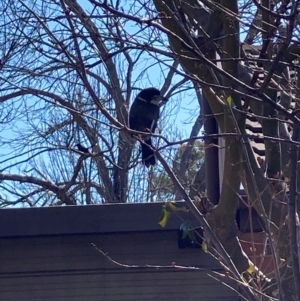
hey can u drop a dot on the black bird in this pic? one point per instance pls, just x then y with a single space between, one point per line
86 150
143 117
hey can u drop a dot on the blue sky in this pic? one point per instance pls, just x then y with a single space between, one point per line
181 110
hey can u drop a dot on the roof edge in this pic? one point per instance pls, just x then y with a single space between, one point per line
86 219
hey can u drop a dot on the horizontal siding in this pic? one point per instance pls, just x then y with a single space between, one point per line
68 268
50 254
157 285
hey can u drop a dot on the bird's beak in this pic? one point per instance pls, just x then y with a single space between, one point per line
159 100
163 100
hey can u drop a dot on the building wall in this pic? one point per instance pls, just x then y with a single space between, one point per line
68 267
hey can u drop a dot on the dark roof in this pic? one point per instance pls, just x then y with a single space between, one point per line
88 219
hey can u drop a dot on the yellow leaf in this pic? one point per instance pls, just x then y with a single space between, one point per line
251 269
167 209
165 216
204 247
230 101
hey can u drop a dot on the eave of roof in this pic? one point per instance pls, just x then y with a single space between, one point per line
67 220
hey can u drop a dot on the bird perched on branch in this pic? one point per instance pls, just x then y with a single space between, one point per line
143 117
86 150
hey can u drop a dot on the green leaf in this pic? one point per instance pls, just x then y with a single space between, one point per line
172 206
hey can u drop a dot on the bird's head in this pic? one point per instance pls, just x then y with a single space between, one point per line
152 95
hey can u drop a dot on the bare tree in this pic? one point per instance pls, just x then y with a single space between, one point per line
68 75
69 71
240 84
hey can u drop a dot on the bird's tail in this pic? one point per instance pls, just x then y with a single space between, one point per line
147 153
